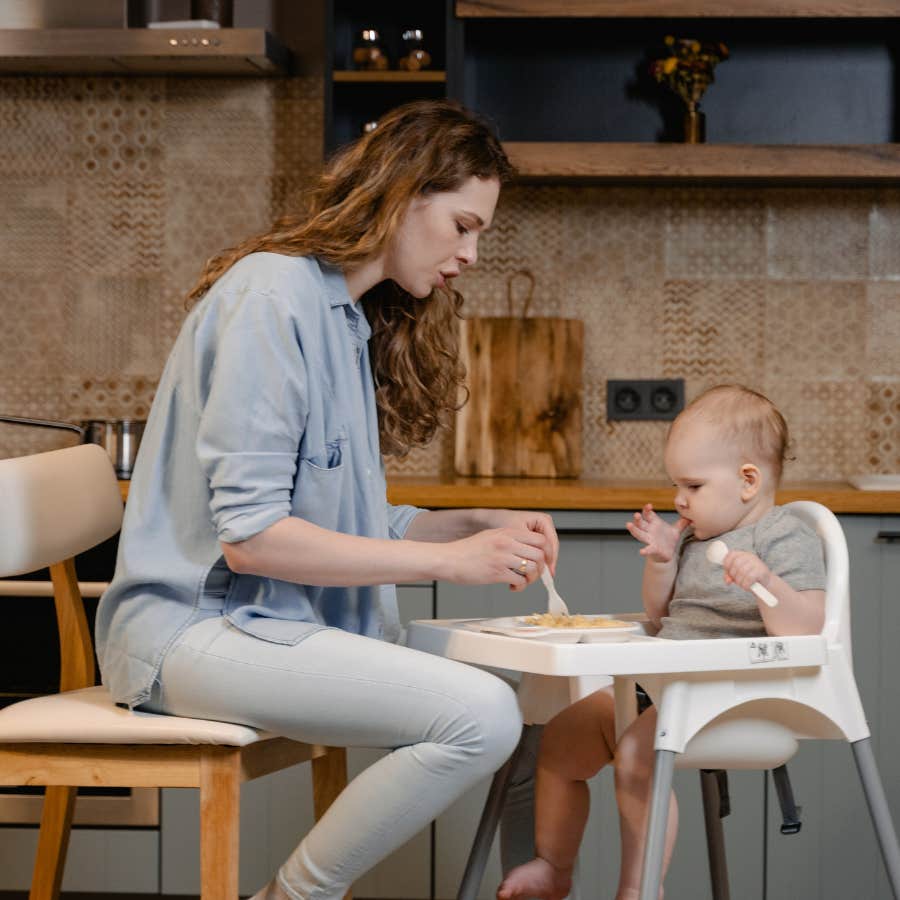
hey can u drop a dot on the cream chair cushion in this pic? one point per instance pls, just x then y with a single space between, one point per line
89 716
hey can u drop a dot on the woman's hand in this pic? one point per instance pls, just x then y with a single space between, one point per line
534 521
513 556
660 537
744 569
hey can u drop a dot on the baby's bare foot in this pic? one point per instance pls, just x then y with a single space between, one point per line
536 879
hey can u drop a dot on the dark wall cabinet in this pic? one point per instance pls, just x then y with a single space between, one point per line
804 95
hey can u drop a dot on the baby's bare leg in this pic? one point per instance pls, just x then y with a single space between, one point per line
634 779
575 745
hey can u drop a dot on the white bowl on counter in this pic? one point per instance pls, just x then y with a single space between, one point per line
876 482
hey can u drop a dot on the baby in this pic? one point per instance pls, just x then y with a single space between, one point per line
724 455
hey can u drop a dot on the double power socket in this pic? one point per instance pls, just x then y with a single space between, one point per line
634 399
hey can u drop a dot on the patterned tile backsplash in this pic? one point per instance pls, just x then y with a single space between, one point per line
114 192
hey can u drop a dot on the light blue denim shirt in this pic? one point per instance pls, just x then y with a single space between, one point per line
265 409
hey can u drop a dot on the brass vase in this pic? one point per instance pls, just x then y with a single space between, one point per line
694 125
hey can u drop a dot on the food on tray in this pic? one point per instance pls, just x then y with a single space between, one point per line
548 620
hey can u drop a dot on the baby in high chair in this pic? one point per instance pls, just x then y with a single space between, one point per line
724 455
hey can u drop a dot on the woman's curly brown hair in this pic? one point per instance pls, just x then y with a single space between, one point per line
354 211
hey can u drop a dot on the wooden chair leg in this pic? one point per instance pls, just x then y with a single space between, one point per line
329 778
220 801
329 775
53 842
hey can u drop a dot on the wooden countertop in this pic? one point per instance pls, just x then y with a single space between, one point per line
593 494
600 495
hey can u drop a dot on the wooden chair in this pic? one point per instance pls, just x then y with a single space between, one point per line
52 507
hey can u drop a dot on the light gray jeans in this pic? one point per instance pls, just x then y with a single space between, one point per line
448 725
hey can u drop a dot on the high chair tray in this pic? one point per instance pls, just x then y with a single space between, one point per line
639 655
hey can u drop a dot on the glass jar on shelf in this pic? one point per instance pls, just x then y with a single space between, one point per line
368 52
414 56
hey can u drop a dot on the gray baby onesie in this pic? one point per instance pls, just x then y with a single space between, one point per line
703 606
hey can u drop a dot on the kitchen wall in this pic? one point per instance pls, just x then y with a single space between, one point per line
114 191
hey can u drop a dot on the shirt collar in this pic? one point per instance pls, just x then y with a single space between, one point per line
338 295
335 285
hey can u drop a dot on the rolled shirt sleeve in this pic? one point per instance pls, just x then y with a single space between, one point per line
254 405
400 518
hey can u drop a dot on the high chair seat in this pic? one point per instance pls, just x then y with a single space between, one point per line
89 716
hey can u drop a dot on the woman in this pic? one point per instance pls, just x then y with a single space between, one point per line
258 555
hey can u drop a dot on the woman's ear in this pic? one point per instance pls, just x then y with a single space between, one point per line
751 479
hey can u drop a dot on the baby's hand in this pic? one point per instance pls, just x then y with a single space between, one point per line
743 569
660 537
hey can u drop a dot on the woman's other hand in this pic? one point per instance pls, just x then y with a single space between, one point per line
660 537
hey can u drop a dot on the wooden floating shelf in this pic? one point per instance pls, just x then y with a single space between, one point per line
679 9
638 161
392 75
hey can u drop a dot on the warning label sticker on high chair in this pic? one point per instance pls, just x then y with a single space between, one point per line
763 651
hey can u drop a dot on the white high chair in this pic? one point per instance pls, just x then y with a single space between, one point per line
751 717
728 703
53 506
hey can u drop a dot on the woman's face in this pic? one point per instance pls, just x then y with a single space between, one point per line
439 235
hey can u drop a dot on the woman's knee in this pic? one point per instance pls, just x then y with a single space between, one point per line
488 723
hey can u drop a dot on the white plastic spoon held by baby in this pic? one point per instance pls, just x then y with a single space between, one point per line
716 553
555 604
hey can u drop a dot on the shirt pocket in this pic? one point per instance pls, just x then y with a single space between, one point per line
322 485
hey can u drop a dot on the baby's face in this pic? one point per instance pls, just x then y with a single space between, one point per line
706 472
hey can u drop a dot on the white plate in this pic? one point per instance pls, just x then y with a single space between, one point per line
515 626
876 482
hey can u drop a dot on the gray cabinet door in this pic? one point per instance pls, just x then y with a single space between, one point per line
99 860
836 854
277 810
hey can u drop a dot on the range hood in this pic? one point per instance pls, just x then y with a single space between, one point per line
143 51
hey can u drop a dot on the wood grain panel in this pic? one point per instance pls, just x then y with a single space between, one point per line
776 162
677 8
89 765
523 417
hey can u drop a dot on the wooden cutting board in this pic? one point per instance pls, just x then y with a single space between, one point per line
523 416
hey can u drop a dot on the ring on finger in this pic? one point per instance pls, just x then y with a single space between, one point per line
522 567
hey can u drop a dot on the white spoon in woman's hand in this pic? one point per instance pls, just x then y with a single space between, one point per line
716 553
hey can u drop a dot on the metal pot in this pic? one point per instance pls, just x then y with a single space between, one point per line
119 437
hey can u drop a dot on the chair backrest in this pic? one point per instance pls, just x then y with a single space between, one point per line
55 505
837 569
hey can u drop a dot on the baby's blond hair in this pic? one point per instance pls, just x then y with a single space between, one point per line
746 418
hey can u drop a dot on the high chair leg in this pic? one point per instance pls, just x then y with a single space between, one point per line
878 809
790 812
53 842
487 825
715 836
651 874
